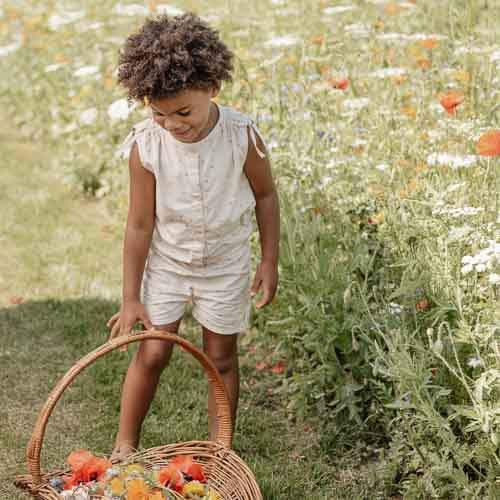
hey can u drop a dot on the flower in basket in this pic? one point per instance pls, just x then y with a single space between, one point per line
180 470
85 467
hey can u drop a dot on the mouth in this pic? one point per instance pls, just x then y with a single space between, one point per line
181 133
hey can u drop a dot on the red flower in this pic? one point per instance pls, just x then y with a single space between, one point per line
338 83
489 143
422 305
85 467
179 469
278 368
451 100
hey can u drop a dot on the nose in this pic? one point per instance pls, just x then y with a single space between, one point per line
171 125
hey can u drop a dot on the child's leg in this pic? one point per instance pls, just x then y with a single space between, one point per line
139 389
223 351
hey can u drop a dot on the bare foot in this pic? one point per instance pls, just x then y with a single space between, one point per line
122 451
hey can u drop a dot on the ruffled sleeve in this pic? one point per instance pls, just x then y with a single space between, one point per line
145 136
241 129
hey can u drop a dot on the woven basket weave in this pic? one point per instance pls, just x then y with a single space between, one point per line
225 471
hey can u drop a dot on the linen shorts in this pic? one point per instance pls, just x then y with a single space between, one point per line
219 292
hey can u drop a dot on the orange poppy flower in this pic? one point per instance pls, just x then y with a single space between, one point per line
85 467
188 466
489 144
338 83
424 63
451 100
429 43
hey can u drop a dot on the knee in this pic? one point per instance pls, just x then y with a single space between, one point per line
224 363
152 361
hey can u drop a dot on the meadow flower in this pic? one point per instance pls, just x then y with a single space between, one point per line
169 10
86 71
119 110
489 144
57 20
282 41
338 83
450 160
388 72
88 117
339 9
9 49
356 104
451 101
52 67
494 279
474 362
131 10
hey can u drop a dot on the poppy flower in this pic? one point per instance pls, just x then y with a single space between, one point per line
85 467
422 305
489 143
424 63
278 368
451 100
156 495
338 83
429 43
189 468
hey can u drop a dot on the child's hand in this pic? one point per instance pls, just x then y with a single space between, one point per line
122 322
266 278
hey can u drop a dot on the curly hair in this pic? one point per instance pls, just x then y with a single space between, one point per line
172 54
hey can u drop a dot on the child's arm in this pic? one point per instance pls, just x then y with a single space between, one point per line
267 210
138 233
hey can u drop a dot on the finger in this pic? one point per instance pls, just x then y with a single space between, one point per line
256 285
114 331
113 320
147 322
266 298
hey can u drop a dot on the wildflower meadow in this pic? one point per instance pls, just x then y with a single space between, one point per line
382 120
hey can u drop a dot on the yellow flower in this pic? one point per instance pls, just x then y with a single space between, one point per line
193 488
130 469
213 495
117 487
137 489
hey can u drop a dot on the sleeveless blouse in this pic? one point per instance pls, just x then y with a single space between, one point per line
204 201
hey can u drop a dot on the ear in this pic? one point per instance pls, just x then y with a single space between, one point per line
214 92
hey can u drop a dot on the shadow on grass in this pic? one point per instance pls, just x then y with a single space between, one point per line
40 341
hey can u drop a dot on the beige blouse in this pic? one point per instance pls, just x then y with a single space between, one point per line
204 202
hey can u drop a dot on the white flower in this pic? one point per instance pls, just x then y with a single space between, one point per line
474 362
88 117
131 10
480 268
169 10
356 103
53 67
494 279
382 167
339 9
58 20
453 161
86 71
119 110
282 41
495 56
8 49
388 72
467 269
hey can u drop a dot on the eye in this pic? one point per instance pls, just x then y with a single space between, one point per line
183 113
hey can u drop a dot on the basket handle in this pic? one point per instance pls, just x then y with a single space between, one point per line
224 421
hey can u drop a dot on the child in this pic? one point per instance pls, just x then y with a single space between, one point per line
197 172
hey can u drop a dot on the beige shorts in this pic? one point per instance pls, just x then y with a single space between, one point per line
219 292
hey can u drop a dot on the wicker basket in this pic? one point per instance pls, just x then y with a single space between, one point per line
225 471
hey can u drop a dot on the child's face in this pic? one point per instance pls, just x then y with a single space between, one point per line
187 115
